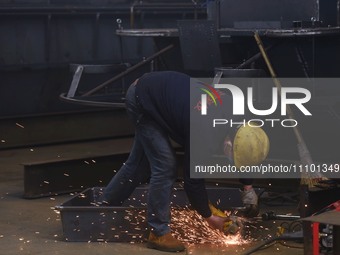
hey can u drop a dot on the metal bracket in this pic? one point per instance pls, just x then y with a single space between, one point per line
75 81
217 77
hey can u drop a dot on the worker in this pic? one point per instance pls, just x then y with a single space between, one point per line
159 106
249 198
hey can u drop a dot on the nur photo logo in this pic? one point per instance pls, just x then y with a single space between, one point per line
280 100
213 96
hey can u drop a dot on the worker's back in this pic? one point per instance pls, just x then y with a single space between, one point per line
164 97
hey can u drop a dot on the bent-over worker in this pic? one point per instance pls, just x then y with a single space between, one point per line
159 105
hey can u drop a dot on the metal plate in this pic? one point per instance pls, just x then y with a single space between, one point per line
56 177
330 217
84 220
199 45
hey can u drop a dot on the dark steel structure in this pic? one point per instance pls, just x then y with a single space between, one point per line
274 14
41 38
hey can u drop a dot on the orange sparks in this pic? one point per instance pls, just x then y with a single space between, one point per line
189 227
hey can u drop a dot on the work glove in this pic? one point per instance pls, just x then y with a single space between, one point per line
228 225
250 202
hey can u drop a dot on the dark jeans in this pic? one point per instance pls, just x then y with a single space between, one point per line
151 151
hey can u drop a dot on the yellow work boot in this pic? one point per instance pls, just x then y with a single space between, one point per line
165 243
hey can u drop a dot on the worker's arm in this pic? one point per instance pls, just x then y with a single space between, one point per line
197 194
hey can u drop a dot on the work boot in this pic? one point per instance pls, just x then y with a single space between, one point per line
165 243
250 202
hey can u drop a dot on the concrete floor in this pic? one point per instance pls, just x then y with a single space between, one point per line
33 227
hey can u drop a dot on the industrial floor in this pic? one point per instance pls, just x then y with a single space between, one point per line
31 226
